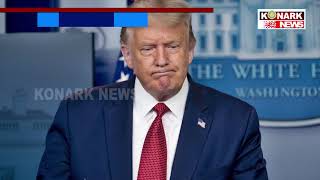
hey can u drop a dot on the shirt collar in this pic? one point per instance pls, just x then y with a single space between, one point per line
142 99
145 101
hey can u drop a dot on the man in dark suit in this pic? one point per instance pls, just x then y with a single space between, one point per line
172 128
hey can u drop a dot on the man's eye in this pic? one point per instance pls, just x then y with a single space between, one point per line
147 50
173 46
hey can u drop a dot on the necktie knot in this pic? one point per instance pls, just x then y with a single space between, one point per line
161 109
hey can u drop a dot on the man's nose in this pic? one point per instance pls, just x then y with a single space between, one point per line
161 56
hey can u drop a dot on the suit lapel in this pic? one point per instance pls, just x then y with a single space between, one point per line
193 134
118 117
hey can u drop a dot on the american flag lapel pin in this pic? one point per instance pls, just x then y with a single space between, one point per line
201 123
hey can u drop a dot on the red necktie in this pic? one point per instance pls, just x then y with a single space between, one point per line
153 162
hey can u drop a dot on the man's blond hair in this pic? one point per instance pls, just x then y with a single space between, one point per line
169 19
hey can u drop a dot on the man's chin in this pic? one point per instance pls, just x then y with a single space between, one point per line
166 91
164 83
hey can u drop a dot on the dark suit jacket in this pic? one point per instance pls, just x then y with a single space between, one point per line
92 139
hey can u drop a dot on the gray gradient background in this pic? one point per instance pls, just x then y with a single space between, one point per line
28 61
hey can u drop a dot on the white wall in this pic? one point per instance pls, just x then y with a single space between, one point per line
92 3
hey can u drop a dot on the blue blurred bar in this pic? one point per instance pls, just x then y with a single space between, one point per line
130 19
90 19
48 19
86 19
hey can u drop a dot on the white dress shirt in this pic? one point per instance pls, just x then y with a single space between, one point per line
143 116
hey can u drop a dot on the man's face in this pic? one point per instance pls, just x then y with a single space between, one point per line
159 56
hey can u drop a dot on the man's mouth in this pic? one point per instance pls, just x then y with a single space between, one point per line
159 74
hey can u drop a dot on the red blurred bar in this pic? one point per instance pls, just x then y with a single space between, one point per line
149 10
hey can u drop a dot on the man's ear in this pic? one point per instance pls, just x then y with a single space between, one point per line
191 53
126 54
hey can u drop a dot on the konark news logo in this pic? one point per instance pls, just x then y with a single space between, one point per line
281 19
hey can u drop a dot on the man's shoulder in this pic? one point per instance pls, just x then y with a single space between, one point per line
227 110
220 99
